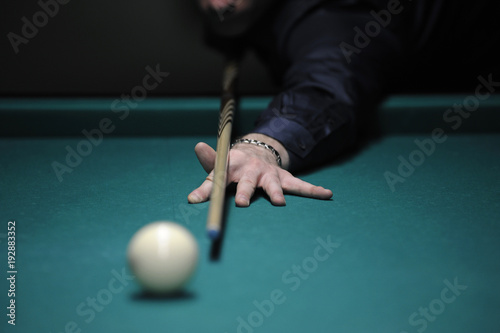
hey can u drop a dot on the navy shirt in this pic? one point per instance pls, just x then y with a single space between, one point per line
336 59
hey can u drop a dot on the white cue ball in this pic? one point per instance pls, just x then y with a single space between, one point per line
163 256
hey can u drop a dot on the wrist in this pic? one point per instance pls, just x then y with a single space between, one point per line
275 144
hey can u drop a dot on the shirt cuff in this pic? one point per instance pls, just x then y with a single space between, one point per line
295 138
311 125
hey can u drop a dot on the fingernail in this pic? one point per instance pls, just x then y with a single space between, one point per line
243 201
194 198
281 202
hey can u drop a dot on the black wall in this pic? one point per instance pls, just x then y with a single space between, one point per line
92 47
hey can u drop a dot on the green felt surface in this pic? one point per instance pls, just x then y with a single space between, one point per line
392 253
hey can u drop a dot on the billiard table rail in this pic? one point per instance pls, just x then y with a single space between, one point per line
182 116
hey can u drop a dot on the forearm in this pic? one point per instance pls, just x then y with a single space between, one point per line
324 92
309 125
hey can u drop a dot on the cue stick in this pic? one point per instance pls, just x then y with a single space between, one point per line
226 114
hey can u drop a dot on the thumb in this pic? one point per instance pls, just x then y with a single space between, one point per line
206 156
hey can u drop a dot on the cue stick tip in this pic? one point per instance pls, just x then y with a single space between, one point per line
213 234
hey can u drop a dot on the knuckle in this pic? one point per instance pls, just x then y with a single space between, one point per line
269 179
247 181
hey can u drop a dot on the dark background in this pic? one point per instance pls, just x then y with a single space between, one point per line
96 47
101 48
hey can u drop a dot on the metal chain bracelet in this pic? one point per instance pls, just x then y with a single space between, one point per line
260 144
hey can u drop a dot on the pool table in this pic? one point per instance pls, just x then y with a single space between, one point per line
410 241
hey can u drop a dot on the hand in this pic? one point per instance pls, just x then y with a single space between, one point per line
253 167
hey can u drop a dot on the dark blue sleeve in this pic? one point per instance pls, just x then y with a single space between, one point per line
332 75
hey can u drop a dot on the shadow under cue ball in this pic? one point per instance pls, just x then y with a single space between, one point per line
163 256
